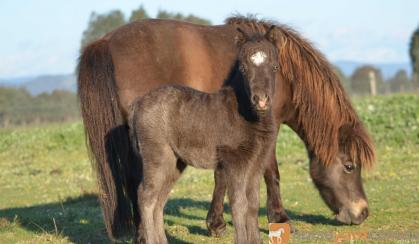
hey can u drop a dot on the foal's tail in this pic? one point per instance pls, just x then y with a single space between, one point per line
132 121
106 137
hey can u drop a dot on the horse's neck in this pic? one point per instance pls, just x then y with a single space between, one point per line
300 132
292 122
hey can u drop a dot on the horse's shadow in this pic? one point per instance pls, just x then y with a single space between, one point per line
80 219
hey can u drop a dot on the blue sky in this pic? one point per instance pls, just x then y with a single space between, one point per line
43 36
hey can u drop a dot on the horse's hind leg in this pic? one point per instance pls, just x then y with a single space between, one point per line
215 221
172 171
275 210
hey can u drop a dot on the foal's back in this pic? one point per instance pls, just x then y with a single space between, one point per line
191 123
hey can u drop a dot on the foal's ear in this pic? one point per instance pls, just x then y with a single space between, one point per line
271 35
241 37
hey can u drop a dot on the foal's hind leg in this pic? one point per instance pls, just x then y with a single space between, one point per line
236 175
156 161
173 171
215 221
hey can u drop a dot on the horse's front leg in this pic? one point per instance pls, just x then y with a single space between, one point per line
215 220
276 212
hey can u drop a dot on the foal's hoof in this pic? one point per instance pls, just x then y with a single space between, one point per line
139 239
292 227
216 228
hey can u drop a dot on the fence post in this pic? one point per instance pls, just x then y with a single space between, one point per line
373 83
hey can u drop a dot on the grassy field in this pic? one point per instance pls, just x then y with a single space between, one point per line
47 189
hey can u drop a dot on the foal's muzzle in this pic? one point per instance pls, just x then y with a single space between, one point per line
261 102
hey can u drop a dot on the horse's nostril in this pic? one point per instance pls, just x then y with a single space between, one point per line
364 213
255 98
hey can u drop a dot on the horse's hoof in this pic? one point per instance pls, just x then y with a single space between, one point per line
278 217
217 229
282 217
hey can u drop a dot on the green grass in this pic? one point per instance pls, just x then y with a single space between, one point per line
47 188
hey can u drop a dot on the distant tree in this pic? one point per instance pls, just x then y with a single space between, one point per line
162 14
139 14
342 78
100 24
414 56
197 20
400 82
360 80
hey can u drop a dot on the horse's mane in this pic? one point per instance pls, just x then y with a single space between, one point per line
324 112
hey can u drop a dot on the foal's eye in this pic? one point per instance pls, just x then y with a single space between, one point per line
348 168
275 68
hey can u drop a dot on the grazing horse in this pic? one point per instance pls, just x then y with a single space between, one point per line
231 130
140 56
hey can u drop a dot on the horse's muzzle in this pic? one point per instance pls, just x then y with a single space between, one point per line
356 214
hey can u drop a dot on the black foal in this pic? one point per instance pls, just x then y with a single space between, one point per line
232 130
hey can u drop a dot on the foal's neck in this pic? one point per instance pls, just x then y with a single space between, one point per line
234 88
239 103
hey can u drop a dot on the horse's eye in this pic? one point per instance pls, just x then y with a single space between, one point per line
348 168
275 68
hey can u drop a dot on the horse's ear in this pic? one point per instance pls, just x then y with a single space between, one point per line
241 37
271 35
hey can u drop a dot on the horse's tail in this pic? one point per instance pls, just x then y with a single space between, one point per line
106 136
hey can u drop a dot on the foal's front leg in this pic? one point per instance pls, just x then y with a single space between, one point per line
252 223
236 190
276 212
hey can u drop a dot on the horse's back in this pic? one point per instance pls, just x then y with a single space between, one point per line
150 53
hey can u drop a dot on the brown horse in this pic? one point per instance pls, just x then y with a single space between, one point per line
231 130
140 56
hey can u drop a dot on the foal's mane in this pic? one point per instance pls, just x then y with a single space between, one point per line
324 113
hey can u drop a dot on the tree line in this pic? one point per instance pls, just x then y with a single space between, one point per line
19 107
360 81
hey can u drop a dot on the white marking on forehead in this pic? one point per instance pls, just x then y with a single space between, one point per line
258 58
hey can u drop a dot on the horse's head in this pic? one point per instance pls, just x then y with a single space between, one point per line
340 183
258 62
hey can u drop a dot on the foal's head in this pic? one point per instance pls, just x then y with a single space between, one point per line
258 62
